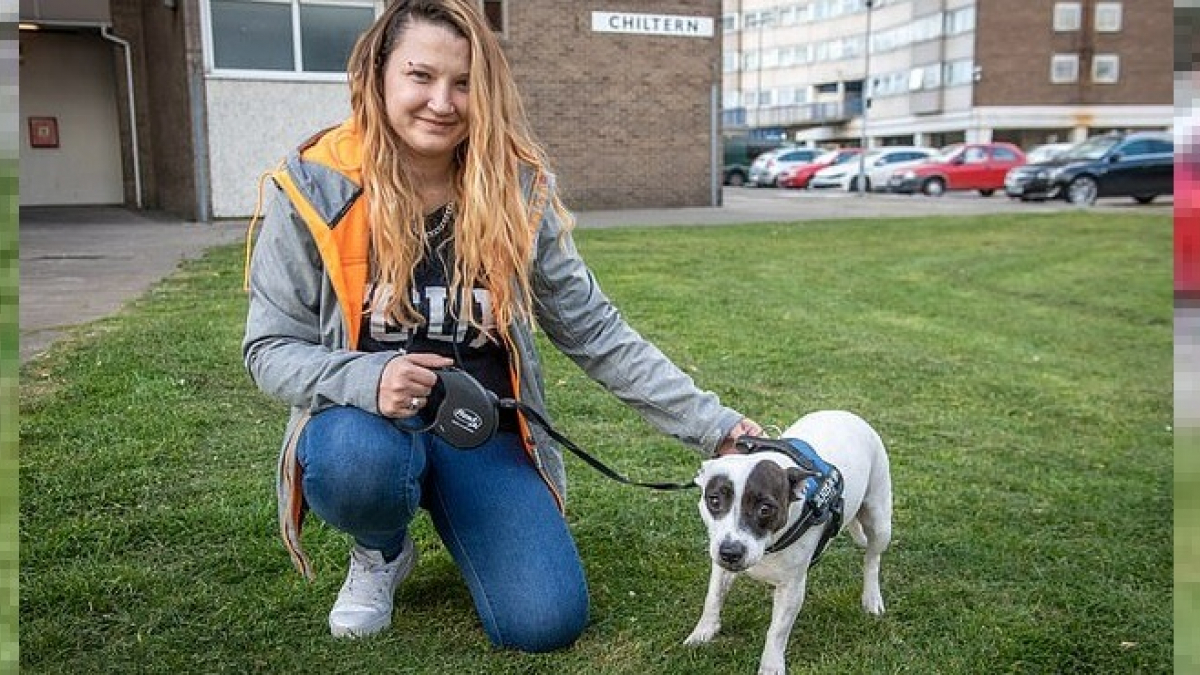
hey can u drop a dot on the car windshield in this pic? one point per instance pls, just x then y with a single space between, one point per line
846 156
1092 148
826 157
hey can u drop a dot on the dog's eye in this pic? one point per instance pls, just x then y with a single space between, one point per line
714 501
765 511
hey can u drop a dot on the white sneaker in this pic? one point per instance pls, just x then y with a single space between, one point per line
364 605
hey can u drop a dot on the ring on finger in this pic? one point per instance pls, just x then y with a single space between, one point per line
414 403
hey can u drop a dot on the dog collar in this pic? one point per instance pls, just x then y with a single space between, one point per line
823 501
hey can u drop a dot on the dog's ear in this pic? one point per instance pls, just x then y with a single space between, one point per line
796 477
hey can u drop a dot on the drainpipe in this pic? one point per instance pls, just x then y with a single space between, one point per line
106 33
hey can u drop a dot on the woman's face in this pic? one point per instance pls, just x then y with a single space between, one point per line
425 88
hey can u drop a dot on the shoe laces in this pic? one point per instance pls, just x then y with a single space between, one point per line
370 574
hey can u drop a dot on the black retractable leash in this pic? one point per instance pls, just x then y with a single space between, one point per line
466 415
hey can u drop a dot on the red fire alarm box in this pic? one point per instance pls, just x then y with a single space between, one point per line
43 132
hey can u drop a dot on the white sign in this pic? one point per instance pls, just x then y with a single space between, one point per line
652 24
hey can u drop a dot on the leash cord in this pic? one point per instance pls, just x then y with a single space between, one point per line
513 404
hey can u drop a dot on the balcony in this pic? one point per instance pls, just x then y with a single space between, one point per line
793 116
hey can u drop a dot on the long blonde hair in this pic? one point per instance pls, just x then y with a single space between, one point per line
493 234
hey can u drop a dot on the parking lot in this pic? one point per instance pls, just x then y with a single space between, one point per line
749 204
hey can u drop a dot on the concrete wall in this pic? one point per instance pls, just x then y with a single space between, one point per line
70 76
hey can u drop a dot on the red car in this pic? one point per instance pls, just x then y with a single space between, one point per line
1187 227
963 166
798 176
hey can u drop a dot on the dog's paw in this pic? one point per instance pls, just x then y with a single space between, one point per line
872 603
702 634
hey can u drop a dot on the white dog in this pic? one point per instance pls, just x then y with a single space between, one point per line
751 503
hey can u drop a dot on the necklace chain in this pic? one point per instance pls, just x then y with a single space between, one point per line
447 216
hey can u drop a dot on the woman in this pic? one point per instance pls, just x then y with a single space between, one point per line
425 232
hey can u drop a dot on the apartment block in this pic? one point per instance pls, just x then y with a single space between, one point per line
941 71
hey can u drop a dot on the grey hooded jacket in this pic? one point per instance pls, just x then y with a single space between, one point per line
296 344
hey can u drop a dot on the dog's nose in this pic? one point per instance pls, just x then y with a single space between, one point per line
731 552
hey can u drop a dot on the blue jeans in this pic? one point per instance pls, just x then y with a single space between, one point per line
368 476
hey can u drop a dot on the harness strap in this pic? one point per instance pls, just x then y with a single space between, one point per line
823 501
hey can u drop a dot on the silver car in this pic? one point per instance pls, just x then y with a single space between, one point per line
877 167
766 167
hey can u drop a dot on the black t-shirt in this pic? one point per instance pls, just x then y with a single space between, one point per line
444 332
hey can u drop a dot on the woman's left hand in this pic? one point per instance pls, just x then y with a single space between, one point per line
744 427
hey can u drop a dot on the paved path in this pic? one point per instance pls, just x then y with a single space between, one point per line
81 264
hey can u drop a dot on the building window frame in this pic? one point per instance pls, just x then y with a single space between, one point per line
1064 68
297 71
1108 17
1068 16
1106 68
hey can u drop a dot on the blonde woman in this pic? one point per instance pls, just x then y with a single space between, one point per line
426 232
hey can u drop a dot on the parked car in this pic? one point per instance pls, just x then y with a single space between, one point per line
963 166
1187 224
1046 152
740 151
1138 165
876 167
798 176
766 167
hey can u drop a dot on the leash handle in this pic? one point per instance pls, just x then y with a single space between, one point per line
513 404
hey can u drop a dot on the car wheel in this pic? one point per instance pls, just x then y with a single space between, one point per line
987 193
1083 191
736 179
1144 199
934 187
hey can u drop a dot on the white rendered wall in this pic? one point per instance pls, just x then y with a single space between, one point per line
253 124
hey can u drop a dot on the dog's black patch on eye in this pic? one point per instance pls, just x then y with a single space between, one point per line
718 495
765 501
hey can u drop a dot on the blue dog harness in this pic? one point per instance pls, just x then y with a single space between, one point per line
823 501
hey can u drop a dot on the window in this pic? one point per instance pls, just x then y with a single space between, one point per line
1068 16
493 11
975 156
959 72
1108 17
729 22
1064 68
1136 149
1106 68
1001 154
960 21
295 36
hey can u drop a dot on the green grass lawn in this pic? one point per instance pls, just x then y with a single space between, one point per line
1019 368
9 365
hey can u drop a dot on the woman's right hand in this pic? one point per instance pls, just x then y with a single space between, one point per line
406 382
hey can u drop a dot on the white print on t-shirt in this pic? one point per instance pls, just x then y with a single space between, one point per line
440 325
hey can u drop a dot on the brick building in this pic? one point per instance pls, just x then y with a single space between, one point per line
179 105
940 71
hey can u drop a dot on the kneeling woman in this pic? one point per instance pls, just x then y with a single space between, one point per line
423 232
